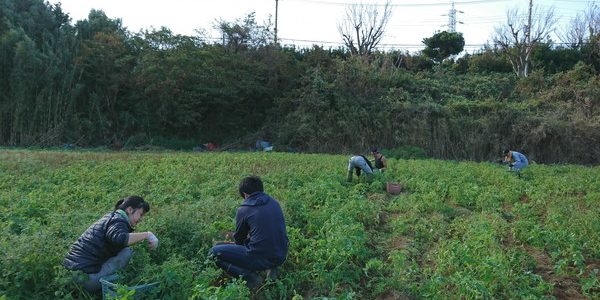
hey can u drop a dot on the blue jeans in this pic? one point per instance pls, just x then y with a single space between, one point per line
235 260
519 166
357 161
111 266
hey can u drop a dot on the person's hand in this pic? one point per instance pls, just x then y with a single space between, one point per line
229 236
152 241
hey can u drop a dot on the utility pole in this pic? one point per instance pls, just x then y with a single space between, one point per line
528 32
276 10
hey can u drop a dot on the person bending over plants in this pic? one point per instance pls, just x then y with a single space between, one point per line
359 163
516 160
260 237
103 248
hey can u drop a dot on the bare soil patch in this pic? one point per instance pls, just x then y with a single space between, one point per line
565 286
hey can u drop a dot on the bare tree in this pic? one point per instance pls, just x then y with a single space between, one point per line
583 27
522 33
243 33
364 26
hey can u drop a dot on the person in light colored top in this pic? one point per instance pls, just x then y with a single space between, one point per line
516 160
359 164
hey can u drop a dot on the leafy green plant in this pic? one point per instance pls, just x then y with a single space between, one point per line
234 290
459 229
405 152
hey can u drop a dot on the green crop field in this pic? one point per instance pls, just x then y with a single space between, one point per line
460 230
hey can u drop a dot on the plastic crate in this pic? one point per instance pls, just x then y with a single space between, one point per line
109 287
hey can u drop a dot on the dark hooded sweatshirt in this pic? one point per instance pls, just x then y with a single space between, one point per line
260 227
101 241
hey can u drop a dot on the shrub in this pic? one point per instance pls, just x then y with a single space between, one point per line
405 152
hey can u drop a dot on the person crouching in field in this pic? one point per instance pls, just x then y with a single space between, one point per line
261 241
359 163
516 160
103 248
380 161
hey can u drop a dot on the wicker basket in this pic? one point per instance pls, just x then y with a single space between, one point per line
109 288
393 188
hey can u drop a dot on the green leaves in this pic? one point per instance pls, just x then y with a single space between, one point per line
459 229
443 44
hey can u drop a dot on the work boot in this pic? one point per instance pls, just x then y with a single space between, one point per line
273 273
253 280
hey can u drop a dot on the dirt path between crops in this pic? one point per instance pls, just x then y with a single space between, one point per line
565 286
398 242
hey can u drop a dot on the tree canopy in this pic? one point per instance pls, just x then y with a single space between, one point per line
443 44
94 83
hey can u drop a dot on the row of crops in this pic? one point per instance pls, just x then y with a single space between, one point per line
459 229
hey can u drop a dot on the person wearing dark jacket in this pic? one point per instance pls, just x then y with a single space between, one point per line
103 248
261 241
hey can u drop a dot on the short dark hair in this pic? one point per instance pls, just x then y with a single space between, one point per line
374 150
134 202
250 184
506 151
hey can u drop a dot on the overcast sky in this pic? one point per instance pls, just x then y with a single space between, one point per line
307 22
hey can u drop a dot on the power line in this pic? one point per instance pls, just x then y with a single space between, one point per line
400 5
399 44
433 22
311 41
578 1
300 42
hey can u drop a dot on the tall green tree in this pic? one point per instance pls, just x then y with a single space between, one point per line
103 64
36 50
443 44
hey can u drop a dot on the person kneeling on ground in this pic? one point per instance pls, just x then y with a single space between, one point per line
516 160
380 161
103 249
261 241
358 163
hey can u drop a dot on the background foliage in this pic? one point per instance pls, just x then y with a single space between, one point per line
94 83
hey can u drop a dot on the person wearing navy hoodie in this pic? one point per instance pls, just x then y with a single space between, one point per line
103 248
261 241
